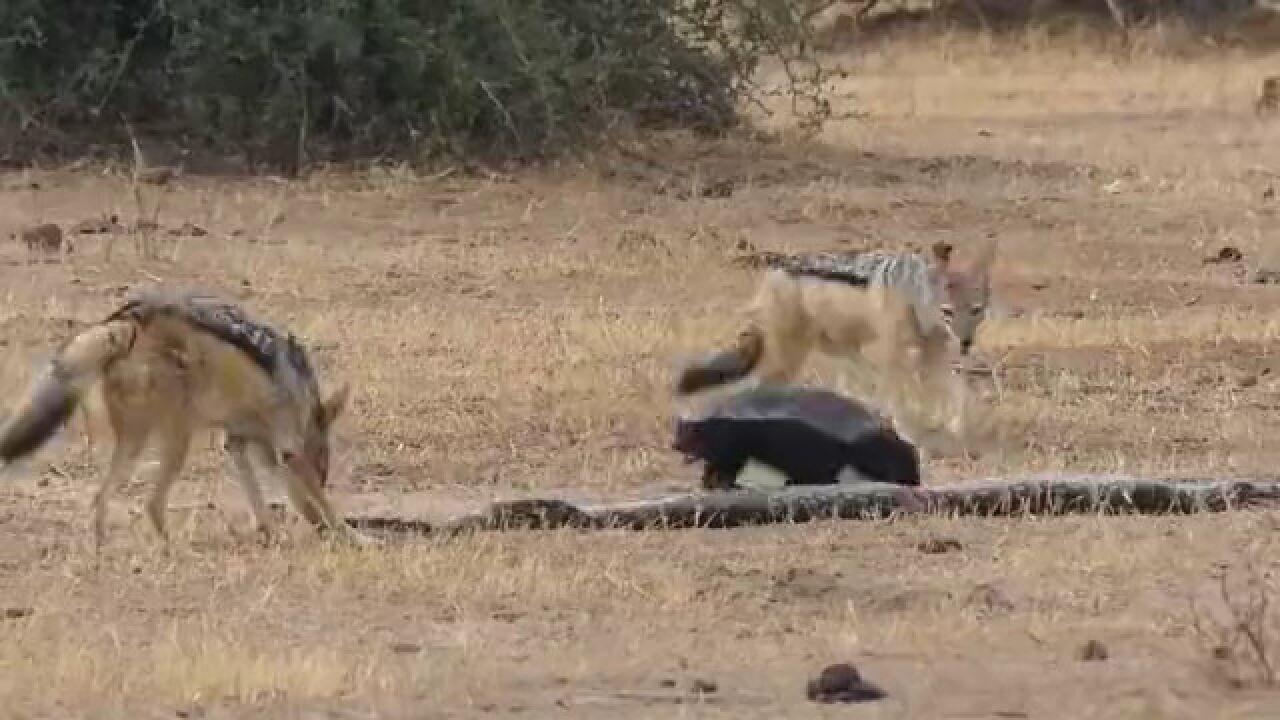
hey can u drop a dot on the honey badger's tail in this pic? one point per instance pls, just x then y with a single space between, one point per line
53 396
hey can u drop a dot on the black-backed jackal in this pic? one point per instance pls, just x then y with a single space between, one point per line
903 313
169 364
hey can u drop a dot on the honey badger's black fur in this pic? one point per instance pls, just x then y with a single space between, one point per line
807 434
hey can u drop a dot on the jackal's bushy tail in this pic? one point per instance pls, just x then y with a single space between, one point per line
724 366
53 396
775 319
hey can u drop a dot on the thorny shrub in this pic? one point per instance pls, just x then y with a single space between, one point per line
1240 626
292 80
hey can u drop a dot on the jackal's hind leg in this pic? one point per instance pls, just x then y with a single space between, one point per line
787 333
175 440
124 460
785 345
782 364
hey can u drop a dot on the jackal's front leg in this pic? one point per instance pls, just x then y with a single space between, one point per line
309 499
238 448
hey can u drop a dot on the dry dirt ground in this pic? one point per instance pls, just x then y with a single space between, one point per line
517 335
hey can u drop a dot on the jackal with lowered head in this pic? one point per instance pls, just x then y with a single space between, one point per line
170 363
905 313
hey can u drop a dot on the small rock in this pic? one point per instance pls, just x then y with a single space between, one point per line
938 546
190 229
703 687
14 613
1093 651
44 238
1266 277
98 226
666 683
895 601
719 189
1225 254
990 599
405 648
841 683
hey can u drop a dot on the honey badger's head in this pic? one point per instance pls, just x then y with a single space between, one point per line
688 440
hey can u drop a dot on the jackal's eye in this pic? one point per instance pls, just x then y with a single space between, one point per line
947 312
977 310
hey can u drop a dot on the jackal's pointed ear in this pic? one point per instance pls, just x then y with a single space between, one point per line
333 405
941 254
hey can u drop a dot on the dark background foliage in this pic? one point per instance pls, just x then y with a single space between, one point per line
286 81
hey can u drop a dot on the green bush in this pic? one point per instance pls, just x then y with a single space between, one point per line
289 80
